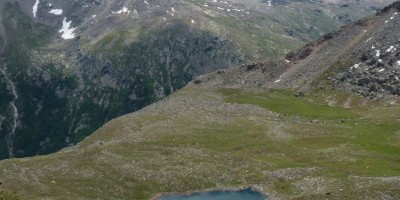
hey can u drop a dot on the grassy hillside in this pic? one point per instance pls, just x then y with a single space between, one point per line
200 139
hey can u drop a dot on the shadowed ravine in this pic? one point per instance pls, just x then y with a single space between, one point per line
11 85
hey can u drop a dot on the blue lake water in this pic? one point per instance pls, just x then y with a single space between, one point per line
246 194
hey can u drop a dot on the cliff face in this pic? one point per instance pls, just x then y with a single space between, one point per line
68 88
67 67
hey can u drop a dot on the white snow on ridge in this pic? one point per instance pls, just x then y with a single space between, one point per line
391 49
123 10
398 62
355 66
66 30
378 53
56 11
280 78
35 8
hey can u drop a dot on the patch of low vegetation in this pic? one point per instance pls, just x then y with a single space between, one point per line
112 41
285 102
8 195
320 127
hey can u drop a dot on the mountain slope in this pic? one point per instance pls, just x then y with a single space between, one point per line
75 65
367 51
227 130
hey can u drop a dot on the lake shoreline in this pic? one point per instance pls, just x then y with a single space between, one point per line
223 189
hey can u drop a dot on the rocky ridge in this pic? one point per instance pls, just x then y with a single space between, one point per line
361 58
376 71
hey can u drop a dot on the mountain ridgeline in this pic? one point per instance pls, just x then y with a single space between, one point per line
68 67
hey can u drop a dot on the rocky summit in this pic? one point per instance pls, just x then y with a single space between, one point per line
68 67
319 122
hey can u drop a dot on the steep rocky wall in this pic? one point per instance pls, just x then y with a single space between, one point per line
66 94
362 57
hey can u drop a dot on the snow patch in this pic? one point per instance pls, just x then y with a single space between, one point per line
66 30
381 70
56 11
280 78
391 49
378 53
35 8
123 10
355 66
